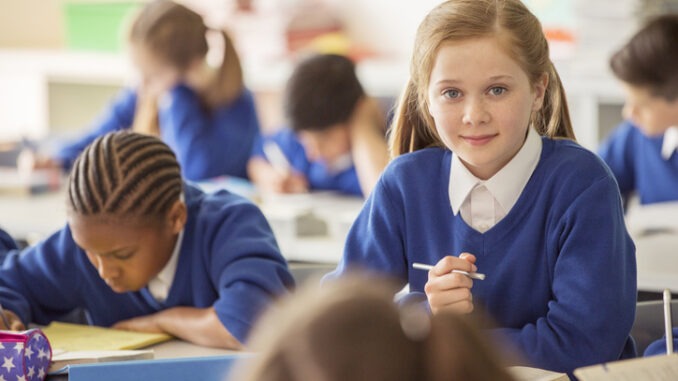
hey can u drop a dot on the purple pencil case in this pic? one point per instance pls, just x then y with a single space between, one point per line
24 355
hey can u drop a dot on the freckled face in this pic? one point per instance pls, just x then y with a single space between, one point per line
127 256
481 101
653 115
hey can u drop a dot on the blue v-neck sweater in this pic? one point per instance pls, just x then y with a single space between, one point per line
228 259
561 271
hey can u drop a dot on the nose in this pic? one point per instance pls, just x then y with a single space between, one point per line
475 112
106 269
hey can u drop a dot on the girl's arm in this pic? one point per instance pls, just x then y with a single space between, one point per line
197 325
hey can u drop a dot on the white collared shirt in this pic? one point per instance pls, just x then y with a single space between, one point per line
483 203
160 285
670 142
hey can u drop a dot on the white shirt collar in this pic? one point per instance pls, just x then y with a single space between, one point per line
670 142
160 285
506 185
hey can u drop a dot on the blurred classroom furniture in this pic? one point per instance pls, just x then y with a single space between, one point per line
649 323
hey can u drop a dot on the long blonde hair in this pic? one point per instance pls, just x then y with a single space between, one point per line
413 127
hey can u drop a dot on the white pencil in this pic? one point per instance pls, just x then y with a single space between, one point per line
668 326
422 266
277 158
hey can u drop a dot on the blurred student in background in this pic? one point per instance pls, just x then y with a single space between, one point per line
352 330
336 138
641 151
200 108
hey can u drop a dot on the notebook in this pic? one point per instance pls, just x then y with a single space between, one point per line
62 360
76 337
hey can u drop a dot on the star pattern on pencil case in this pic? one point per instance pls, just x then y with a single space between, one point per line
25 361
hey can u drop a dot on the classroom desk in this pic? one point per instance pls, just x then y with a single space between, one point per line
657 261
174 349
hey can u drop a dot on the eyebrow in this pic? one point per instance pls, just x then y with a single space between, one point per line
113 252
491 79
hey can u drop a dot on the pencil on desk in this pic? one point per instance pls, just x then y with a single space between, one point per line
422 266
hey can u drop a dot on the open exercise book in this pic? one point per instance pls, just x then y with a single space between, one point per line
80 344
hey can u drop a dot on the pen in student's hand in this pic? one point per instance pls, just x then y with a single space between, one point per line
276 157
4 318
422 266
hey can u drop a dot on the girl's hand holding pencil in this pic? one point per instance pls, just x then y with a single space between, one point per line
449 283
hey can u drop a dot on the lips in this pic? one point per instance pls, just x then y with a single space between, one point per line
478 140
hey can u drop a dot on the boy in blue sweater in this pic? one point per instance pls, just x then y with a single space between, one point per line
201 109
144 251
487 177
336 140
6 244
641 151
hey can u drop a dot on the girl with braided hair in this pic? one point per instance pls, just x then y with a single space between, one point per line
144 251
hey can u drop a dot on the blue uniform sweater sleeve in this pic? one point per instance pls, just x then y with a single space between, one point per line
6 243
617 151
246 267
593 286
41 283
119 115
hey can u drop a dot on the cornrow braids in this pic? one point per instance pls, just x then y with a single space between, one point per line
124 174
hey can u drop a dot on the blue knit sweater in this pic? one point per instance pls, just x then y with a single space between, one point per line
561 271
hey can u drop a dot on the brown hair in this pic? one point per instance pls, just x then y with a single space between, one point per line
322 91
351 329
124 174
650 58
176 35
456 20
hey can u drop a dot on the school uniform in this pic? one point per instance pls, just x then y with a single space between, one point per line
228 259
560 266
340 176
207 143
642 164
6 242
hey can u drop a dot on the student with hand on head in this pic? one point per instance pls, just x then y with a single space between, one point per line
487 177
202 110
641 151
352 330
145 251
336 140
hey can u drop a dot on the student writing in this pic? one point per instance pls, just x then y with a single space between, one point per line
336 136
352 330
487 178
145 251
641 151
202 111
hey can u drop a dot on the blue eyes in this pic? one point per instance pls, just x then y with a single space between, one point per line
451 94
494 91
497 90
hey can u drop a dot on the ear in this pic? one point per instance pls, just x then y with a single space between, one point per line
539 91
177 216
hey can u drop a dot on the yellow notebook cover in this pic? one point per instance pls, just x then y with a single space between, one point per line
76 337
